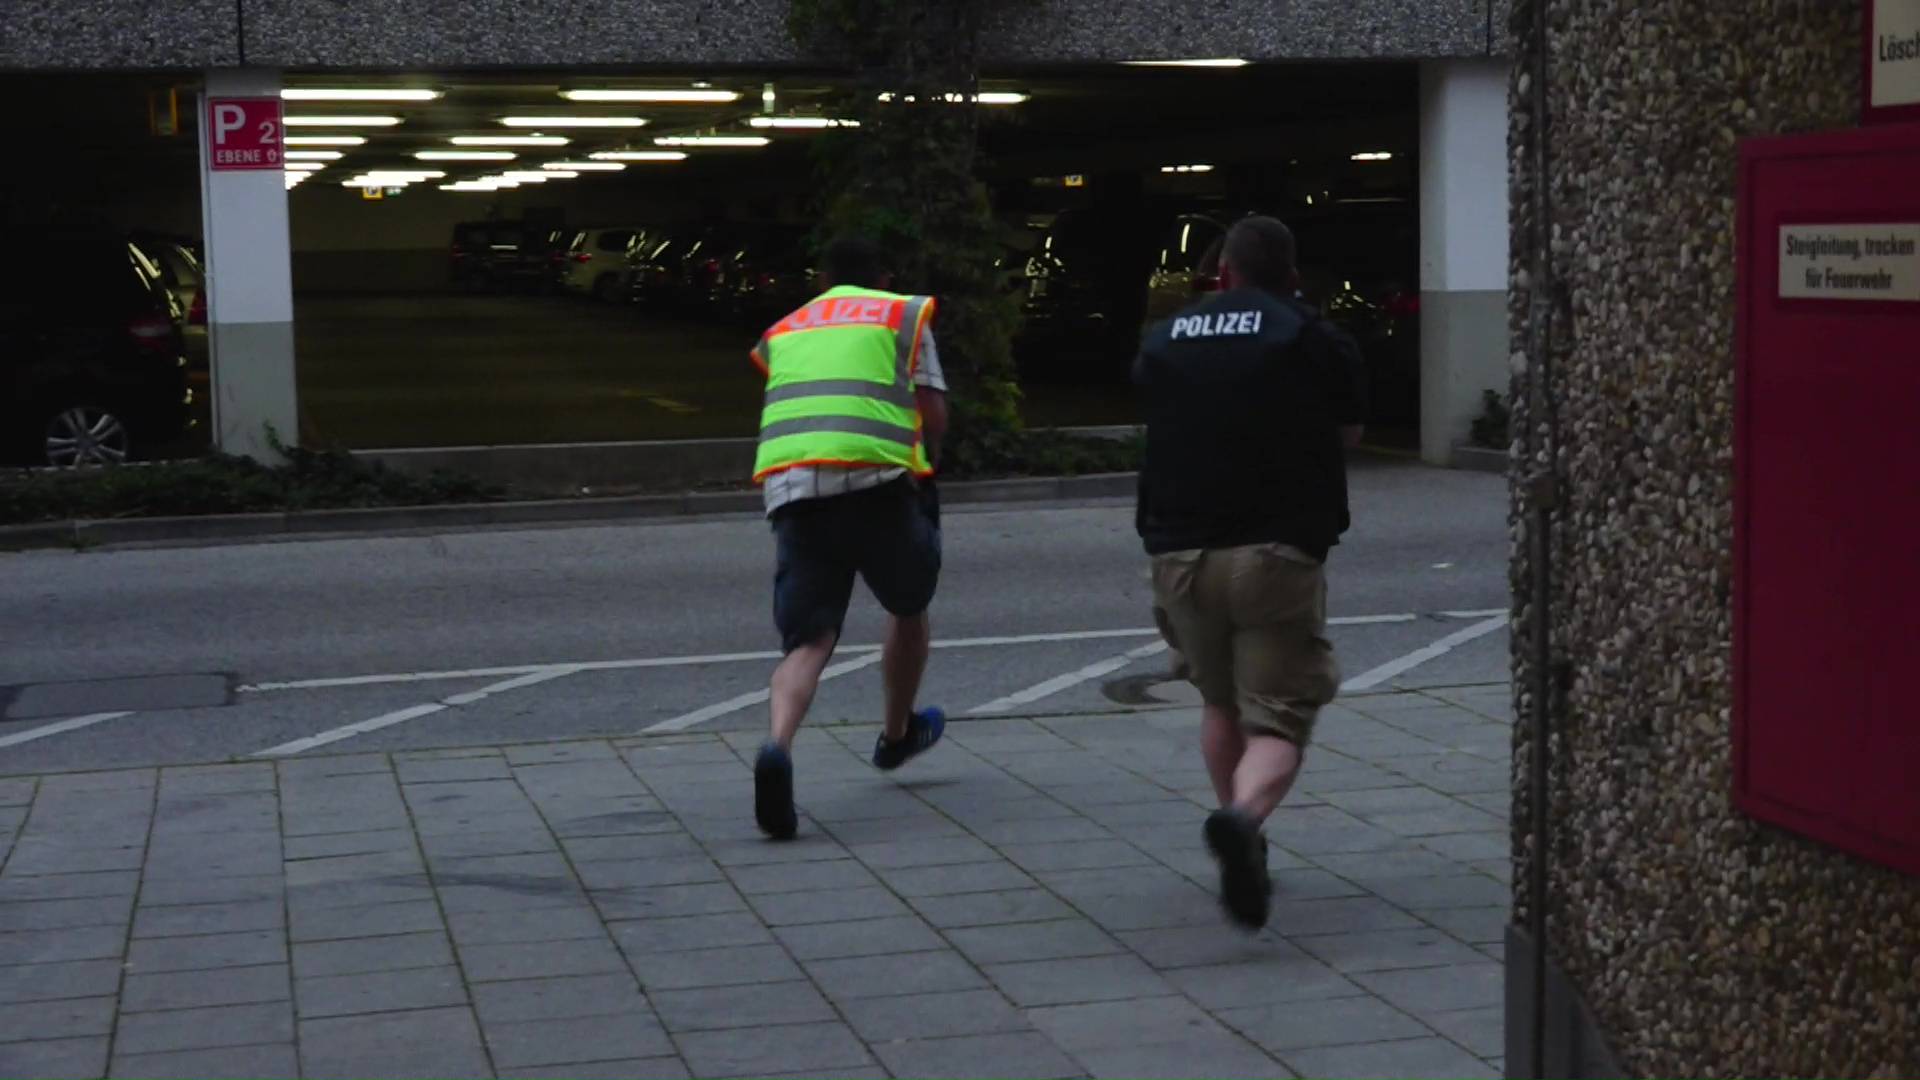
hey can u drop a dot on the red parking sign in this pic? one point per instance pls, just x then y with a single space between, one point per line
243 133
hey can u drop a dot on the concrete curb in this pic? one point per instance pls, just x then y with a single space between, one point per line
1480 459
389 519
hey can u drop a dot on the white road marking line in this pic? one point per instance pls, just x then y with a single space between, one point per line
1414 659
412 712
726 658
60 727
1487 614
514 669
745 701
1062 682
1371 620
530 679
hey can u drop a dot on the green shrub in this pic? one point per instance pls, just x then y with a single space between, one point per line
310 480
1490 427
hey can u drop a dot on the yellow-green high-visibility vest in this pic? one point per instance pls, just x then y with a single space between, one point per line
840 383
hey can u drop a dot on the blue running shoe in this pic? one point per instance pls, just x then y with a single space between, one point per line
924 728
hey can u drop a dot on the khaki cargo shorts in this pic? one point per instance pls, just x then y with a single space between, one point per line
1250 624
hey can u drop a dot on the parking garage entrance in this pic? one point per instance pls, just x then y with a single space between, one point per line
537 258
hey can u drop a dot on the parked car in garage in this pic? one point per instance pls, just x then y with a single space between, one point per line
90 338
185 278
654 265
597 262
1178 270
523 255
770 275
469 261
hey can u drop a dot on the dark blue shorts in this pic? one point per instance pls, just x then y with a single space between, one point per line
889 536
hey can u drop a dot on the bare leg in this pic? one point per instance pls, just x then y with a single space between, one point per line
1265 774
903 660
1222 743
794 683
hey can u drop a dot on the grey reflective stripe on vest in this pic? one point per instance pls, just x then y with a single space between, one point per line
892 394
909 333
841 425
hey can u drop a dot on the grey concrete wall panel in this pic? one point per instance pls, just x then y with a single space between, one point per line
117 34
350 34
1463 354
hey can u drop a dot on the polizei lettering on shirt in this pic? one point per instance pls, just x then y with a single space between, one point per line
1219 324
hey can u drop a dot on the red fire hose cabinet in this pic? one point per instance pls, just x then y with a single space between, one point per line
1826 719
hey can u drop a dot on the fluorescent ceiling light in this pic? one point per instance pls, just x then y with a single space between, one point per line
1373 155
573 121
341 121
314 93
664 97
509 140
807 123
395 177
465 155
313 155
325 140
584 166
712 140
304 166
990 97
539 177
1217 62
639 155
1186 168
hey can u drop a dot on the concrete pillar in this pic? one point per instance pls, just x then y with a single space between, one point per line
1463 247
249 284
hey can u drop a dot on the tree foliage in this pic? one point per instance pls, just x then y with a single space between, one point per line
905 177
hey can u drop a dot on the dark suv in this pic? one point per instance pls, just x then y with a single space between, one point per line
90 339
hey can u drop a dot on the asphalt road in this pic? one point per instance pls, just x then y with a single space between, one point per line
543 633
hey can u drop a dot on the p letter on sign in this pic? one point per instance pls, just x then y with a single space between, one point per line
243 133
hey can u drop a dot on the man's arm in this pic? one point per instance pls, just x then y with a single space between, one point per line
933 419
1344 376
930 396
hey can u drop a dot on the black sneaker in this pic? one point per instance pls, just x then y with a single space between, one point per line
1245 889
924 728
773 793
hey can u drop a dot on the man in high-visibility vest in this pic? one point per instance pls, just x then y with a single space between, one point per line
854 416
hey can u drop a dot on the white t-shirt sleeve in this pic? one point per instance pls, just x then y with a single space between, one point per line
930 374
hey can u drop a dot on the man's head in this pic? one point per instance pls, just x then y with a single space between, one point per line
1259 254
854 261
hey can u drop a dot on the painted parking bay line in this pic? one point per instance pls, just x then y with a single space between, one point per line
1061 636
1071 679
1401 665
746 701
1111 664
59 727
414 712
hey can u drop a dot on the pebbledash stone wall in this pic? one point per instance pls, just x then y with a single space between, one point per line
1704 943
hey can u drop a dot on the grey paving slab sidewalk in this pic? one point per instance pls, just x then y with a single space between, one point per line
1031 900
